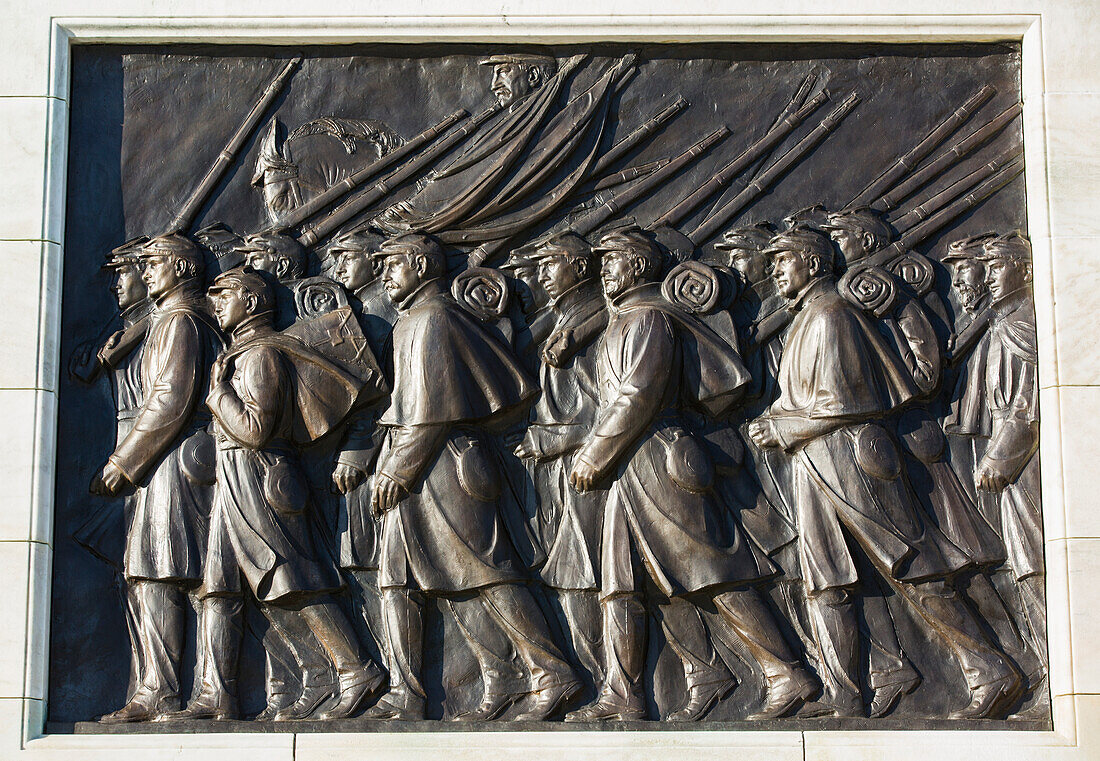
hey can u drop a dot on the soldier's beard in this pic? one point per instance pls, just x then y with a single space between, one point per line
968 296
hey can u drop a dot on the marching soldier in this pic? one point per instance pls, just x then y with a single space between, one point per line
354 261
568 522
436 488
262 535
1003 385
853 502
104 532
285 259
660 514
169 454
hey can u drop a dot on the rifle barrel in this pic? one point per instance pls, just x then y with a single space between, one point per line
762 181
783 127
296 216
186 216
941 163
619 201
941 218
935 202
909 161
647 128
366 198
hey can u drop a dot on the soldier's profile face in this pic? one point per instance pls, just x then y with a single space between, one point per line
511 81
353 269
616 273
400 277
751 264
1003 278
158 272
791 271
262 260
850 244
129 287
230 307
968 280
557 274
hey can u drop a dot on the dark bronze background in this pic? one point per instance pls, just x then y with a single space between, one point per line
146 122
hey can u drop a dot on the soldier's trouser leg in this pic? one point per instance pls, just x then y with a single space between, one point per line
624 648
293 645
580 609
161 622
687 635
888 662
367 598
403 614
1033 593
836 629
944 610
521 619
220 632
130 615
488 643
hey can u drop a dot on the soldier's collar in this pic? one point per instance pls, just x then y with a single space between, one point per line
255 326
571 296
425 290
136 312
809 293
631 295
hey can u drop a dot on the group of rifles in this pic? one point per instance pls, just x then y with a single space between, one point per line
601 455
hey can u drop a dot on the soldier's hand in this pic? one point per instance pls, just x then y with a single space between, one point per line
583 476
109 482
81 362
346 477
386 494
762 431
218 370
527 449
555 347
989 477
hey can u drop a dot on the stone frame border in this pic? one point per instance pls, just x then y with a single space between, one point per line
1025 29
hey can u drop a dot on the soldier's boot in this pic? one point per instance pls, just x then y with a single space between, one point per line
995 684
991 608
503 683
403 619
836 629
788 684
160 619
553 683
706 675
1032 591
220 646
624 647
359 679
301 655
891 674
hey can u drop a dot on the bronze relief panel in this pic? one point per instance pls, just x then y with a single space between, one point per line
465 387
